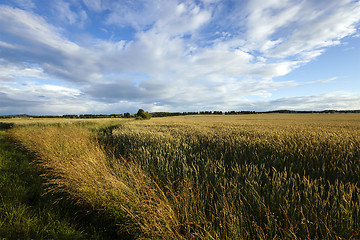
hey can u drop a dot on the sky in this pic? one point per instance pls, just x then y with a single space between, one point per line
102 57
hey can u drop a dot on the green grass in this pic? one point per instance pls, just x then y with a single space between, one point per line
22 212
26 212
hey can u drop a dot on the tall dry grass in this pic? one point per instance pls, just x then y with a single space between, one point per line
74 163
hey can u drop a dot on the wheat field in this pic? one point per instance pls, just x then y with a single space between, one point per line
263 176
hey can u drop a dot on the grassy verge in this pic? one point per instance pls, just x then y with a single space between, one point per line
24 212
29 211
74 163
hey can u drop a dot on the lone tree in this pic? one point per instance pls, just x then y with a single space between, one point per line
141 114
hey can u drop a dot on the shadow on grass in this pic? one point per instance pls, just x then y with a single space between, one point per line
4 126
26 212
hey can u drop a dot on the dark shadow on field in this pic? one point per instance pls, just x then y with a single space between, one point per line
5 126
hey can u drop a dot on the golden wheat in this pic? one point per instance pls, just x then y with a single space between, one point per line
266 176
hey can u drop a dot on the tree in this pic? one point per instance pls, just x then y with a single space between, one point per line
141 114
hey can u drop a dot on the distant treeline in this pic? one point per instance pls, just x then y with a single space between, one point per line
169 114
74 116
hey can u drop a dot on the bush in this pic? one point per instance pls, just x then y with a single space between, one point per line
141 114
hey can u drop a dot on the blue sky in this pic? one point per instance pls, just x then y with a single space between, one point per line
101 56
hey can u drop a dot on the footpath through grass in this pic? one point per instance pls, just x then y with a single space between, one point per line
27 213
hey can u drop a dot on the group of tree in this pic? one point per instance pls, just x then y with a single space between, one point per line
169 114
142 115
172 114
239 112
73 116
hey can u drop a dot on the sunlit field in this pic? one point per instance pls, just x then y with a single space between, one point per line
262 176
61 121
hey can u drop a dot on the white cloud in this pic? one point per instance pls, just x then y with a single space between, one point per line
43 44
138 14
182 54
182 19
33 98
64 12
33 29
94 5
35 92
332 100
318 26
267 17
164 16
25 4
7 45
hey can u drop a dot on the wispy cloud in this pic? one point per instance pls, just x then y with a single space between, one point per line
318 25
95 5
25 4
332 100
67 15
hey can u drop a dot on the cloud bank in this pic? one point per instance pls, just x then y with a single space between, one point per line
99 56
